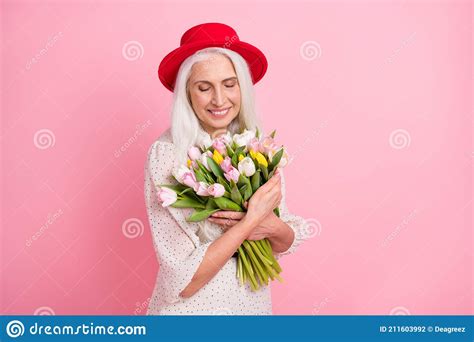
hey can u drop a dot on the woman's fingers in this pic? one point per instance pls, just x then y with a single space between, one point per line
234 215
275 180
224 223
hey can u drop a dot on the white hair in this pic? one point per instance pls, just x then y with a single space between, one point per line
185 126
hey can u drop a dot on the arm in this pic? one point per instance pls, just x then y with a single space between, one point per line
297 224
282 235
217 254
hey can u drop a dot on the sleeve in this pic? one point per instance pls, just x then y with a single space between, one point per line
298 224
178 248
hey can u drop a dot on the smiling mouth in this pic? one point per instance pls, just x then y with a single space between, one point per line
219 112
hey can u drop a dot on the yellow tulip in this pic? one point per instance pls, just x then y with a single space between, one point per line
241 157
261 159
253 154
189 162
217 157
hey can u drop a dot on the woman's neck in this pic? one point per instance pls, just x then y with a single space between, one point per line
214 133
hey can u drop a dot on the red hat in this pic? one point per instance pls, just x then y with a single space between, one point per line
210 35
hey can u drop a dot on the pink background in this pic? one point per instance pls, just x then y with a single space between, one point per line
372 100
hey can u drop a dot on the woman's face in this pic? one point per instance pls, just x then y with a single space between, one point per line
214 93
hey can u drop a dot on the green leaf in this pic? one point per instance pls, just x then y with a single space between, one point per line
255 181
239 150
277 211
247 192
272 135
227 204
229 149
257 134
276 158
241 180
235 160
201 215
193 195
216 169
204 171
176 187
200 176
210 204
187 202
264 172
185 191
235 194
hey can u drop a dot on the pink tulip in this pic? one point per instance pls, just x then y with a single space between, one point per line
167 196
189 179
254 144
201 189
233 174
267 145
219 145
216 190
194 153
226 165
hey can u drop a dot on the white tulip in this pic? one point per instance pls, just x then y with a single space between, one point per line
244 138
246 166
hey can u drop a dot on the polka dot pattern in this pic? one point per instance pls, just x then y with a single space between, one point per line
180 251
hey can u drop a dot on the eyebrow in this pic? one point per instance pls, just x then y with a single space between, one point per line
225 80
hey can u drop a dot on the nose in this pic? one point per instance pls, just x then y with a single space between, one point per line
218 98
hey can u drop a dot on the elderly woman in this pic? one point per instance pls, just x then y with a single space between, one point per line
211 75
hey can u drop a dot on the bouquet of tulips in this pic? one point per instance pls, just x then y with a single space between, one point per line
223 176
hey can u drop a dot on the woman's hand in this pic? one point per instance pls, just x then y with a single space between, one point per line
260 209
265 199
267 227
